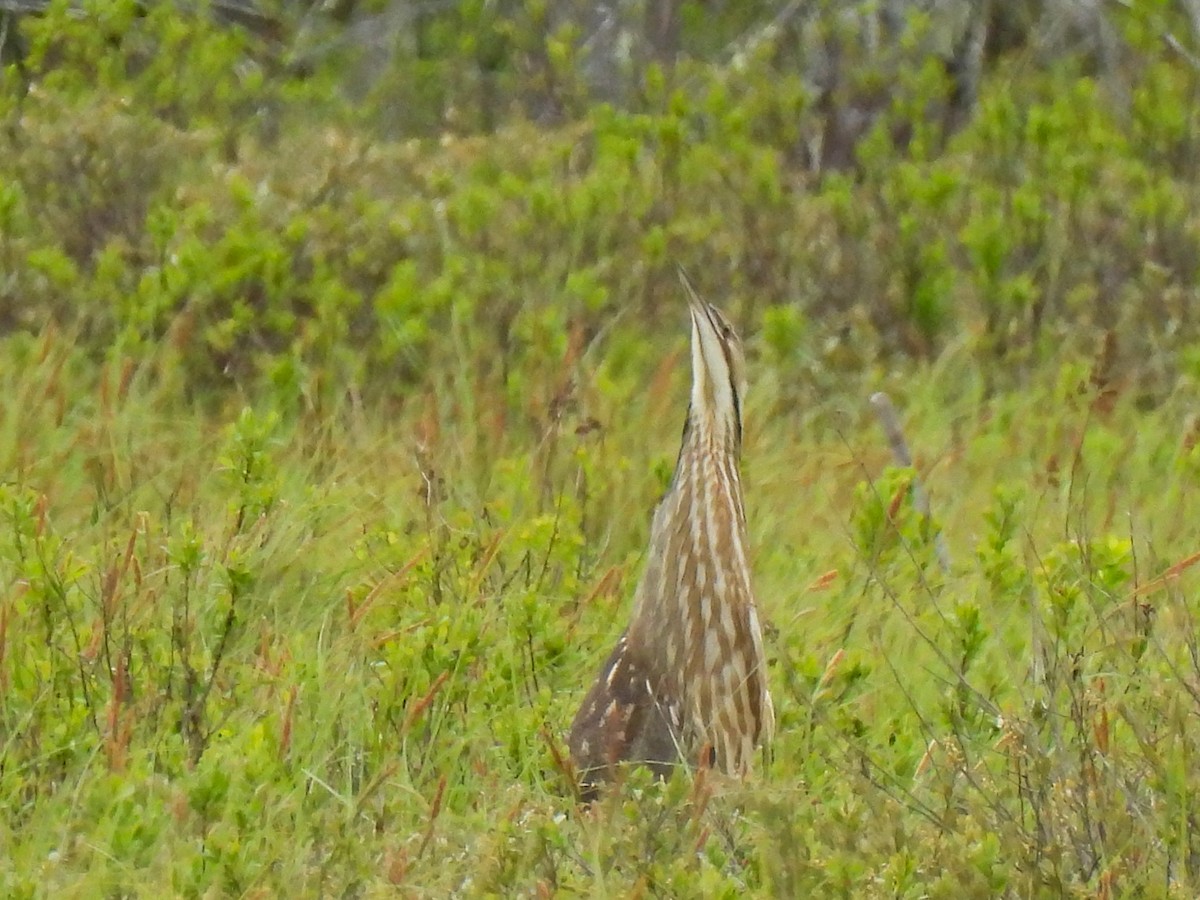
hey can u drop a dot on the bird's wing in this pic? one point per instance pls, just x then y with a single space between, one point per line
624 719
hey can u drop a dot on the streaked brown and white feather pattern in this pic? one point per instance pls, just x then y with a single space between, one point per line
690 670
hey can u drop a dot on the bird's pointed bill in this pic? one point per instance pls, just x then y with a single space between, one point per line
712 384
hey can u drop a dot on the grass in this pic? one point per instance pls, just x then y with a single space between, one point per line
328 463
335 653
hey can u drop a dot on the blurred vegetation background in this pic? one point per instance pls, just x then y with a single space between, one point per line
343 359
307 194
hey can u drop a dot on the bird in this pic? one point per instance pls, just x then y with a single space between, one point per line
686 682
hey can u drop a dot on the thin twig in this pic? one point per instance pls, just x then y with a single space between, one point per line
886 412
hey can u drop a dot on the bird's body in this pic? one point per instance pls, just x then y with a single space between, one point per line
689 673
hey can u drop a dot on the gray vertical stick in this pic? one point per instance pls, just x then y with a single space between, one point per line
886 412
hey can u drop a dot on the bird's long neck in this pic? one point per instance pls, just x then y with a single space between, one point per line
696 572
707 473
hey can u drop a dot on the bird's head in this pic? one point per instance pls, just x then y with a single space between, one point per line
718 371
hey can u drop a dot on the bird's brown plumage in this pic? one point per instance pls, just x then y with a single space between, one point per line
689 672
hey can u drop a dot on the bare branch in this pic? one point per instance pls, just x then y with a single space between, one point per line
886 412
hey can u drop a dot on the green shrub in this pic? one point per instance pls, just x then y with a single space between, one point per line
334 427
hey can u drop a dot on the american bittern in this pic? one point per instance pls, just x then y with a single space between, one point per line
689 672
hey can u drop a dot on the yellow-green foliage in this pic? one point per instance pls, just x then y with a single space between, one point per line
330 459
